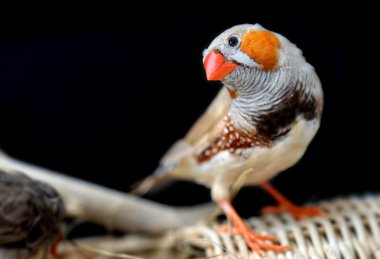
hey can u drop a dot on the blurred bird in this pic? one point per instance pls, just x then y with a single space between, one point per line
262 120
31 214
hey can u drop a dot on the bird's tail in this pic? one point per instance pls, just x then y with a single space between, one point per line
153 183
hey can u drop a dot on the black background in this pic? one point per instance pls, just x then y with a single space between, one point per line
101 94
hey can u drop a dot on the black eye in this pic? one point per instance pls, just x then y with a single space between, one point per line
233 41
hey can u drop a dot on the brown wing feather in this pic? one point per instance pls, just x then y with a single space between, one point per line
206 129
214 114
204 132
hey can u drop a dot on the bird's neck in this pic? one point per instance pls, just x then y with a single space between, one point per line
270 102
257 93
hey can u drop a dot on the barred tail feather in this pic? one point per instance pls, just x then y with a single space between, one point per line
153 183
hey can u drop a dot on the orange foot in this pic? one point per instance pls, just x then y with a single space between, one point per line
287 206
257 243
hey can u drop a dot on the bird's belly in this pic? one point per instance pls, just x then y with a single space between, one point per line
264 162
268 162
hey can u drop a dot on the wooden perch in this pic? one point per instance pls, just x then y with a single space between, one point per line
114 209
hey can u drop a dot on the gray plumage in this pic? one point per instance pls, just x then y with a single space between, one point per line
30 216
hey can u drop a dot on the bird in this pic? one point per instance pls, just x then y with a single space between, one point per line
261 121
31 217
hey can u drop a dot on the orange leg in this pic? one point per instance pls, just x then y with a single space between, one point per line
257 243
284 205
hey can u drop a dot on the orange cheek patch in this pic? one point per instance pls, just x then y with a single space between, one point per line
262 47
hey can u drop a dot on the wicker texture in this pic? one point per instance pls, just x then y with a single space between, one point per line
350 230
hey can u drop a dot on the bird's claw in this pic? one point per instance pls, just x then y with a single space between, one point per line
257 243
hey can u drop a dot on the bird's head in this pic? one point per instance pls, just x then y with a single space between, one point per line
249 46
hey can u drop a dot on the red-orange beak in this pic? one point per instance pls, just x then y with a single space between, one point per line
216 66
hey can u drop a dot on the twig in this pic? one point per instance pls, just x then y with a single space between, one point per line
108 207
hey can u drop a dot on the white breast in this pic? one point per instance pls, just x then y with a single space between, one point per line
268 162
265 162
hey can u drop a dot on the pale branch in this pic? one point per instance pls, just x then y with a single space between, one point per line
111 208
